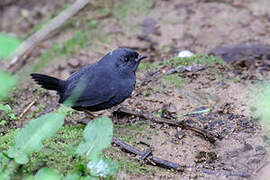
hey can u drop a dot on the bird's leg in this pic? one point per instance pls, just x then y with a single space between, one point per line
90 115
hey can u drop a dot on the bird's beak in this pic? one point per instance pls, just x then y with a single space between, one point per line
141 57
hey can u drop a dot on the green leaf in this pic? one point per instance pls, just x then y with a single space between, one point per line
97 136
2 122
259 103
103 167
19 155
29 139
48 174
7 45
77 176
72 177
197 112
201 111
29 177
88 178
7 82
12 116
5 108
3 159
1 176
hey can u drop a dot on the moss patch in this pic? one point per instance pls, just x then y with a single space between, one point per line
173 80
197 59
6 140
127 132
58 152
130 133
176 61
134 167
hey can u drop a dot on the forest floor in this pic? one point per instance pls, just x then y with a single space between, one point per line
160 29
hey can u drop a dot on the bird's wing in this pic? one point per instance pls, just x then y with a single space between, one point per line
92 89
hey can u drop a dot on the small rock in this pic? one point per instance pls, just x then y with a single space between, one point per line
163 127
247 147
185 53
175 140
200 157
61 66
25 13
180 135
200 109
232 154
223 84
190 122
211 157
74 63
260 150
170 108
254 161
211 78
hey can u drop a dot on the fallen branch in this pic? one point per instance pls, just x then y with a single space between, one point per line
27 108
20 54
147 156
203 133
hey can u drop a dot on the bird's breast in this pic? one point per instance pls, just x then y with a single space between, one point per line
125 88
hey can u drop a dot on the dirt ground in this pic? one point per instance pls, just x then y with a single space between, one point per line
161 29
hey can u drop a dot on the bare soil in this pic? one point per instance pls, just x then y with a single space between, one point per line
167 27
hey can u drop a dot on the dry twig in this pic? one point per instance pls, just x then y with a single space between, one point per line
150 159
147 156
18 57
203 133
27 108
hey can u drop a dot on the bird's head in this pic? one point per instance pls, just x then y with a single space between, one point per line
124 59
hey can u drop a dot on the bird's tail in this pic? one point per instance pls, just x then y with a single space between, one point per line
49 82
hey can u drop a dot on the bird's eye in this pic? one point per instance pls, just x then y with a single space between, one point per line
126 59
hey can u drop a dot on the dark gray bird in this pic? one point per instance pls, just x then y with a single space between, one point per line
97 86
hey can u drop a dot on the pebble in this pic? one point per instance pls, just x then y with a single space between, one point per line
185 53
246 147
74 63
180 135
